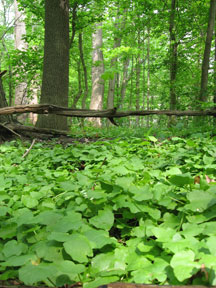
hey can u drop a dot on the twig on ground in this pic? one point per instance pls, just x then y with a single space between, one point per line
28 150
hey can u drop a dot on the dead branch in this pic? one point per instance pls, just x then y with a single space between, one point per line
29 149
109 113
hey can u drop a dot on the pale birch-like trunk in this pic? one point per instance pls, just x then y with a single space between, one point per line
21 88
20 44
97 71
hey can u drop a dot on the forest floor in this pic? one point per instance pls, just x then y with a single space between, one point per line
97 207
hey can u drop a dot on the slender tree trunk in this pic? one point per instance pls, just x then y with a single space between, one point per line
124 82
143 78
131 91
138 71
112 82
148 74
84 70
79 94
206 56
97 70
173 57
73 24
56 62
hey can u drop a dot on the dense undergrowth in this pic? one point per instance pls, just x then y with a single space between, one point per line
131 209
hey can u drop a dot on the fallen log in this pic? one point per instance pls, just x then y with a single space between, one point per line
109 113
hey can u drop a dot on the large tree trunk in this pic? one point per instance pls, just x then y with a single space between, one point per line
97 71
56 62
206 56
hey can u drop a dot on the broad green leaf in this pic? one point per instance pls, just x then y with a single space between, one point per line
102 262
48 217
141 193
47 252
192 229
69 268
173 171
4 210
104 219
99 238
19 260
78 247
152 138
28 201
208 160
13 248
59 236
163 234
124 182
181 180
200 200
8 231
211 241
120 170
184 265
32 274
73 221
136 261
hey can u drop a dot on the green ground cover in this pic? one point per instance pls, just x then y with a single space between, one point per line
127 209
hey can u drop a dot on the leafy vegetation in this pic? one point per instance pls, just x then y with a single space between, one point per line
128 209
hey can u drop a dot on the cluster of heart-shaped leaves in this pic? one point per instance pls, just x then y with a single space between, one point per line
127 210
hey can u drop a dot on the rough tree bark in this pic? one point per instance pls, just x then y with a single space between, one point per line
56 62
97 70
